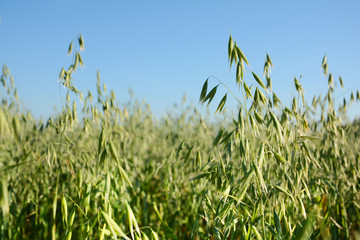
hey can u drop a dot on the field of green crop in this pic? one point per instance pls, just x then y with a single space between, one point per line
104 171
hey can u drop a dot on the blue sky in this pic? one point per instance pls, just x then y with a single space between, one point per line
163 49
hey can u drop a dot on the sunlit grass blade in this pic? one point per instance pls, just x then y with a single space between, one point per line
259 81
4 196
221 104
203 91
114 227
304 231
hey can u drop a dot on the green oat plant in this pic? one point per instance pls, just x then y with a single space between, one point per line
111 171
280 172
99 172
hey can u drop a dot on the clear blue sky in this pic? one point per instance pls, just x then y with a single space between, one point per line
163 49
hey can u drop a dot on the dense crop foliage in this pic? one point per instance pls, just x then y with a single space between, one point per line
111 172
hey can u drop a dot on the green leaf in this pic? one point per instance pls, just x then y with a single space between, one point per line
276 100
323 61
248 233
226 193
102 157
352 98
211 95
253 124
62 74
218 233
306 188
258 117
288 111
72 217
70 48
241 55
101 142
276 124
258 80
268 83
81 43
245 184
202 175
259 177
114 227
280 189
277 223
302 207
221 104
239 73
233 56
17 129
257 234
179 149
198 159
132 221
230 47
107 187
324 65
262 97
268 60
304 231
64 209
154 235
330 80
54 206
261 154
188 154
113 152
80 59
218 137
311 138
279 158
144 236
297 85
247 90
68 236
124 175
226 138
4 196
203 91
341 82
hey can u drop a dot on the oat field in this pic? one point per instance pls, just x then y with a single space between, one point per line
101 170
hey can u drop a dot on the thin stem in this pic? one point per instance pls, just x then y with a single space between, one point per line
226 88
